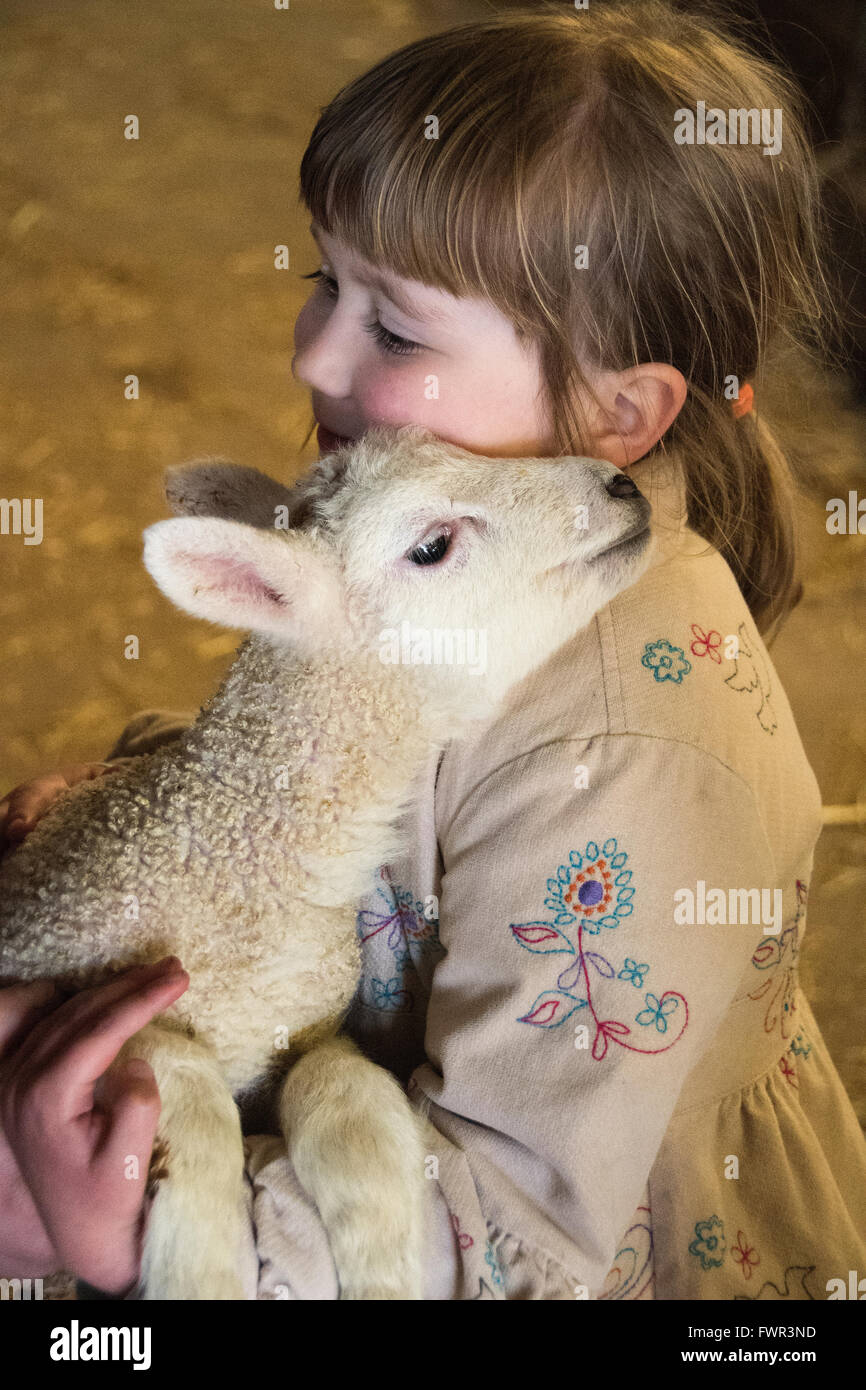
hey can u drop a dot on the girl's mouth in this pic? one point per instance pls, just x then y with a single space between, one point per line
328 442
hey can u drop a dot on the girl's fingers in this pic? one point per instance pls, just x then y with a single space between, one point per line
131 1104
21 808
88 1005
29 801
21 1006
88 1055
82 1037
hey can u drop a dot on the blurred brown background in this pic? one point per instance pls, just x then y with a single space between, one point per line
155 257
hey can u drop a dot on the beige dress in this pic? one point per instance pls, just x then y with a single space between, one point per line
624 1103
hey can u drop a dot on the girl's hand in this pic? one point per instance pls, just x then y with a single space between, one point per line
68 1126
21 808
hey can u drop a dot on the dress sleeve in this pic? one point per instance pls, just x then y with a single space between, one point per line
571 1003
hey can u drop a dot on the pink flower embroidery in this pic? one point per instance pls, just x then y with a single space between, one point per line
745 1255
788 1071
464 1239
705 640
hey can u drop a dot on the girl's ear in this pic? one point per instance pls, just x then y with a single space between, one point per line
285 585
218 487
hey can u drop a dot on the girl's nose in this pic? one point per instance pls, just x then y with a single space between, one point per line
622 486
322 360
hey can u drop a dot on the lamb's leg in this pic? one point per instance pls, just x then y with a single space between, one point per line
194 1239
356 1146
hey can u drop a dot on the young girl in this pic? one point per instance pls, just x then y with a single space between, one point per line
585 968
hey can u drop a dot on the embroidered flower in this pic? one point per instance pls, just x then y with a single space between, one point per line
490 1257
401 915
593 890
464 1239
666 662
593 887
745 1256
633 972
709 1243
398 933
389 995
704 645
788 1072
800 1046
657 1012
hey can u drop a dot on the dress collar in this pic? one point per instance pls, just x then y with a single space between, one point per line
661 481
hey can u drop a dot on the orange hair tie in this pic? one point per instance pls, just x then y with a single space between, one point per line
743 404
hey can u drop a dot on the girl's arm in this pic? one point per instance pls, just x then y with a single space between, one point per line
24 805
149 730
570 1006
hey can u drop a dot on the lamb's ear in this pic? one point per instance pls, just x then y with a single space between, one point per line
285 585
218 487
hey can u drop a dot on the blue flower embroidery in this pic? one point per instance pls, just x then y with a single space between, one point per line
397 932
490 1257
709 1243
656 1012
667 663
593 890
634 972
388 995
593 886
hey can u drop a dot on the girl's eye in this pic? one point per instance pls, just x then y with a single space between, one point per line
329 284
399 347
389 341
432 549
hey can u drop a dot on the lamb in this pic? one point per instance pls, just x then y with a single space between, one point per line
245 846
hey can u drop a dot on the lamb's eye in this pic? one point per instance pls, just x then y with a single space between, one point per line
432 549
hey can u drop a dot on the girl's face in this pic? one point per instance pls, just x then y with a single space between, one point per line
377 349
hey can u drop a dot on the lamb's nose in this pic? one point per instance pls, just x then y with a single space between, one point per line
621 486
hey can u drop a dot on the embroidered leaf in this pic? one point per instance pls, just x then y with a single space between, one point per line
766 954
624 877
609 848
618 860
576 859
762 989
603 966
542 937
592 850
608 1029
570 975
552 1008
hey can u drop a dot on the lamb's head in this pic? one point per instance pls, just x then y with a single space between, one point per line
468 570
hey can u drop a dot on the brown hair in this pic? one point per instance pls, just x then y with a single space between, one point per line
557 130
